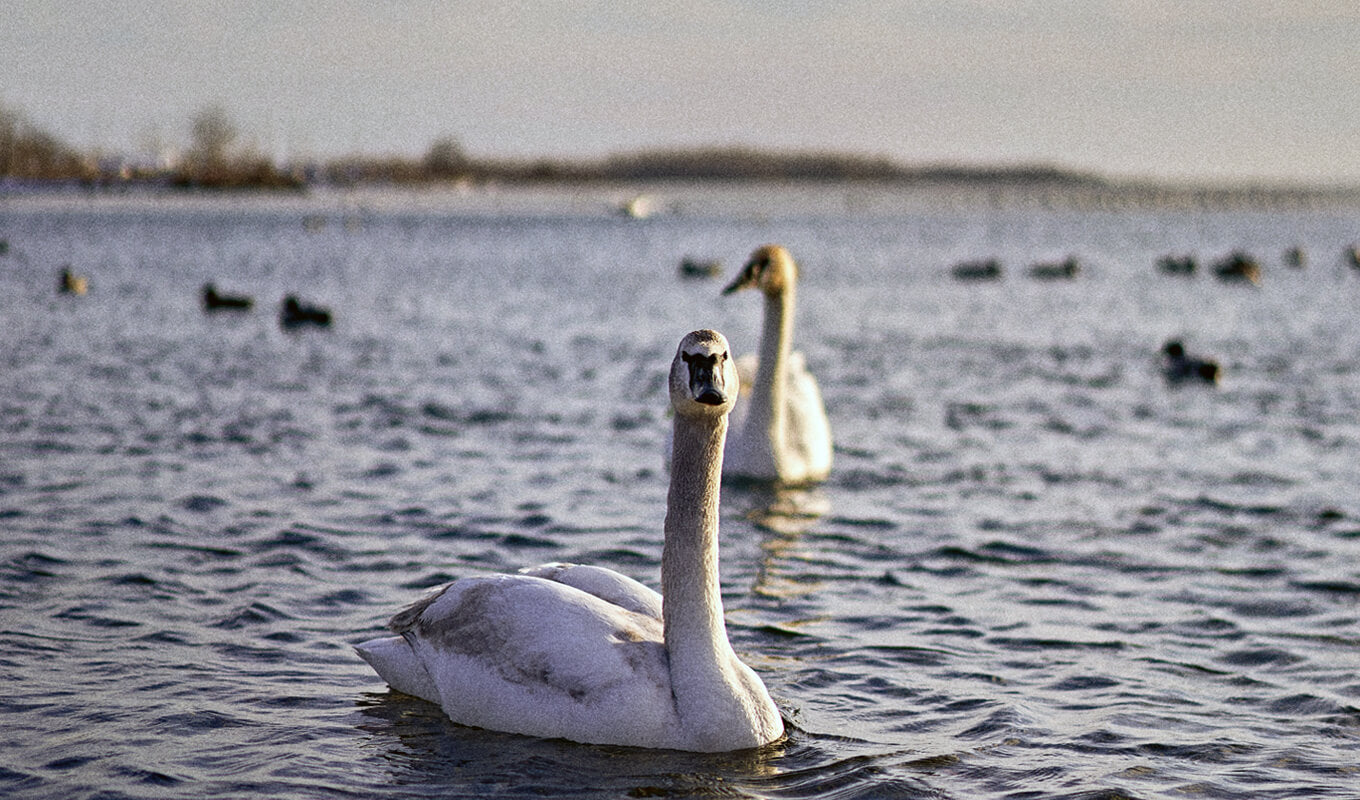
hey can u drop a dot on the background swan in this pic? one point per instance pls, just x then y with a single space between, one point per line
780 431
587 654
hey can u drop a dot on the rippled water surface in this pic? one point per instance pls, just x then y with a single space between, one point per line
1037 570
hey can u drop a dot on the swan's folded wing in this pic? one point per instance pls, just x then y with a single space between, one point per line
807 447
606 584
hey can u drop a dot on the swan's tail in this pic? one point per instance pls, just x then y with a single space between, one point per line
395 662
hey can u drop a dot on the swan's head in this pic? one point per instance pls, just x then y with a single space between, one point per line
703 375
770 269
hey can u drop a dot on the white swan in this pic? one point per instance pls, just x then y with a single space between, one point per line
780 431
587 654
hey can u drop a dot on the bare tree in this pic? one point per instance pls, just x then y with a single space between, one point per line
445 158
27 151
213 135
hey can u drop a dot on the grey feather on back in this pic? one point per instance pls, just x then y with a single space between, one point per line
406 619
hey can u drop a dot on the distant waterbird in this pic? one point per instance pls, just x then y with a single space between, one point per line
1177 264
215 301
699 268
1067 269
294 313
639 206
1178 366
1296 257
981 270
1238 267
70 283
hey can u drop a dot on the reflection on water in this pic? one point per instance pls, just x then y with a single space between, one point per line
780 515
782 510
1036 571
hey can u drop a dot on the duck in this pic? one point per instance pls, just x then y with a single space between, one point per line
295 313
1067 269
71 283
1177 264
780 430
698 268
1180 367
213 301
988 269
1238 266
584 653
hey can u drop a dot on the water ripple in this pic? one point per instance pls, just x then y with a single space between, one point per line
1036 571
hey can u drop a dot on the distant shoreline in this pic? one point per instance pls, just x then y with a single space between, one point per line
219 159
645 197
710 165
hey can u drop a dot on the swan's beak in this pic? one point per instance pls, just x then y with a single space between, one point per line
706 381
746 279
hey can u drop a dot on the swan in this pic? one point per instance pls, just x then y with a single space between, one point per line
780 429
584 653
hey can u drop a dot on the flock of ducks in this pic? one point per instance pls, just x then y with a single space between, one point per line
990 269
293 312
1237 266
1178 366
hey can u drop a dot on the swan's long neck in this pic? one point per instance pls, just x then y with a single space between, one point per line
696 637
768 405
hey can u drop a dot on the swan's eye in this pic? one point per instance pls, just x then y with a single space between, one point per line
701 361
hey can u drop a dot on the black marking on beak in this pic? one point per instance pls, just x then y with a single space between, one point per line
706 378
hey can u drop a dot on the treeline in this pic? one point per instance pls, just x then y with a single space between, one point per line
740 163
33 157
29 153
216 159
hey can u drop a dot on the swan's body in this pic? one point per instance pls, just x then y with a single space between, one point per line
587 654
780 431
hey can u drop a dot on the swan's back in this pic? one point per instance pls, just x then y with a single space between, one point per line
606 584
807 447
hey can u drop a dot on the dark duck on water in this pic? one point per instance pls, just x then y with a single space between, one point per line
1180 367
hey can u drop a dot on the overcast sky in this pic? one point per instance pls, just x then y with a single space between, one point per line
1235 90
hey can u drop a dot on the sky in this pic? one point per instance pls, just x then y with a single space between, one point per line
1197 90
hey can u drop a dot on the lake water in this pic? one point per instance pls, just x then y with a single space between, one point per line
1037 569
